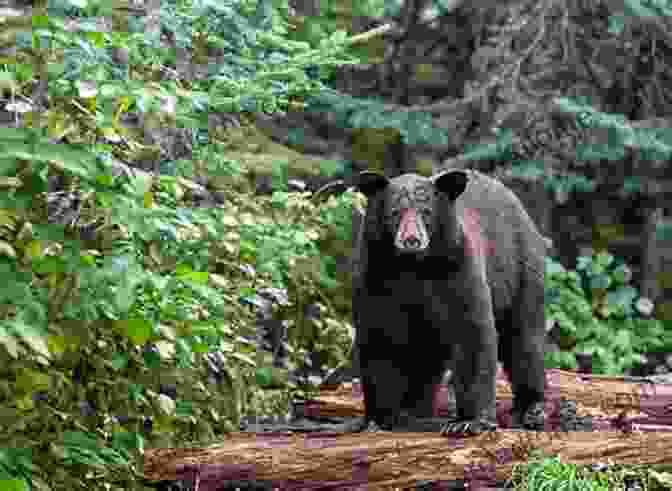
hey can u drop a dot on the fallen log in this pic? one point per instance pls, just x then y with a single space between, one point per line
388 460
634 401
393 460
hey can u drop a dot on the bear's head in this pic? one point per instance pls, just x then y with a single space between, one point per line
413 211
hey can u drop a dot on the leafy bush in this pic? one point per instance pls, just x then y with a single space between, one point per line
105 343
597 311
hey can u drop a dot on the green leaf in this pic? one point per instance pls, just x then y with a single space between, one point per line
139 331
270 377
553 267
339 36
623 339
198 277
152 359
621 274
119 361
622 297
81 4
616 24
28 381
664 232
583 262
600 282
604 259
14 485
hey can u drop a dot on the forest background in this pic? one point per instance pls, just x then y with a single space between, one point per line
159 165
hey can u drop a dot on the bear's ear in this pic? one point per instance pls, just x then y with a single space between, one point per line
452 183
370 183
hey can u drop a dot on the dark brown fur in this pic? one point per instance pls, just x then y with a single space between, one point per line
461 284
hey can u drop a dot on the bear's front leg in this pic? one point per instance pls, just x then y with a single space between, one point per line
475 365
475 389
384 385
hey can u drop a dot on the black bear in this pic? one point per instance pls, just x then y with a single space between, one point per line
448 272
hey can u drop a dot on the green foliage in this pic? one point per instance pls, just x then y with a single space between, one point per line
664 232
90 330
639 8
595 309
160 322
549 472
214 160
79 448
654 143
502 150
16 469
330 339
273 246
271 68
78 8
415 127
651 144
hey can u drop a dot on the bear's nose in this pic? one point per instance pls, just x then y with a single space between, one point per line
412 243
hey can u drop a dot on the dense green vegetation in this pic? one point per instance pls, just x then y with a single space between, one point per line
600 313
94 328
